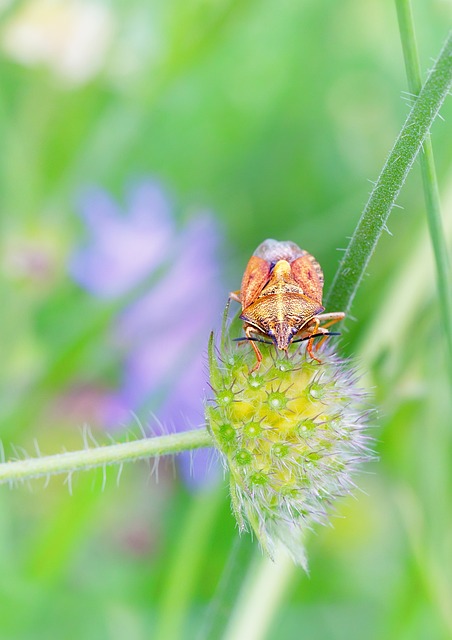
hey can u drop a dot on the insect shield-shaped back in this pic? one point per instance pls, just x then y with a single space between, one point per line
281 291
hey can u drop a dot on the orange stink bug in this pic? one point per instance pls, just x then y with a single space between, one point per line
281 297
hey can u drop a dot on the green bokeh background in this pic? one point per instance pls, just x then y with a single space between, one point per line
274 116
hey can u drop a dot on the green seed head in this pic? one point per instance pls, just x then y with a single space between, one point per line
243 457
280 450
252 429
226 433
291 434
277 400
225 397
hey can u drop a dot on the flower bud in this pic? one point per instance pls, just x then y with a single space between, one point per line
290 434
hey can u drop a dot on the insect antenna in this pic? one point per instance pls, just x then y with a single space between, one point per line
317 335
245 339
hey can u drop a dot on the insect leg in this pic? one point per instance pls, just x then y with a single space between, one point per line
248 331
235 295
309 332
331 318
315 324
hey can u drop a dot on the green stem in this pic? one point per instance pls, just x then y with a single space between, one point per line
99 456
261 597
431 191
186 563
384 194
219 612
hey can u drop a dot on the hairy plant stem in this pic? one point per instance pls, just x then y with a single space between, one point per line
71 461
430 182
384 194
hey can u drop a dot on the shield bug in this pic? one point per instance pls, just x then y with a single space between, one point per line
281 297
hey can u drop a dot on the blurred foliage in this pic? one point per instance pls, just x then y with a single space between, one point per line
274 116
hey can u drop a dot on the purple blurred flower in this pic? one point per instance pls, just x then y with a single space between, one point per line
124 247
163 334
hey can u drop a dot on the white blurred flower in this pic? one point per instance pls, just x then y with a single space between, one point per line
4 4
71 37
